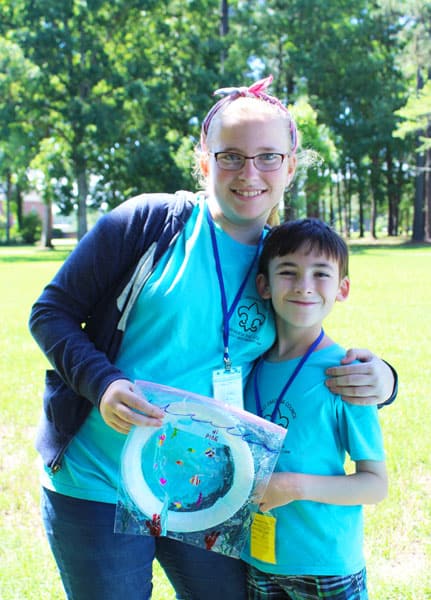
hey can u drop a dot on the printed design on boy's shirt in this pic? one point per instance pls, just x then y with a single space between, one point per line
281 418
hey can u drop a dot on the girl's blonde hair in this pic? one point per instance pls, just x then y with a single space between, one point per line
255 91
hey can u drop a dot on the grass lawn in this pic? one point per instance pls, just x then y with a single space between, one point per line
388 311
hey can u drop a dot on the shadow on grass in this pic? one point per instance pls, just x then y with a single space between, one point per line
21 254
361 247
60 251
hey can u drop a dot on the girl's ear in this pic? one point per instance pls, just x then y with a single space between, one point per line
204 164
343 290
291 169
262 285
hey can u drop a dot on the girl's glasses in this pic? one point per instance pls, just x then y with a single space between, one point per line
232 161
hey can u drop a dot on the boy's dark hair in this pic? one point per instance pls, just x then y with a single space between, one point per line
313 233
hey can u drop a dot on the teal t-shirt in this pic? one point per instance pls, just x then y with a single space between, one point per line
313 538
173 337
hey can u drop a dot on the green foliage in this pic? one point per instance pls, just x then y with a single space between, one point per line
18 137
2 227
343 55
416 115
31 228
105 98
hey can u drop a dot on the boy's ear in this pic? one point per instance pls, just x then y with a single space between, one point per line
343 290
262 285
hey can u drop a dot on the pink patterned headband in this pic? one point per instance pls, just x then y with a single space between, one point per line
257 90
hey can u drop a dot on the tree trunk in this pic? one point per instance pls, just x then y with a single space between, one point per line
361 204
418 215
82 202
47 224
224 30
418 207
331 204
374 188
19 203
339 203
392 223
8 205
373 215
399 183
428 195
348 203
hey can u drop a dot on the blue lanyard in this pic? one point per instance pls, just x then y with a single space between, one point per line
289 382
228 312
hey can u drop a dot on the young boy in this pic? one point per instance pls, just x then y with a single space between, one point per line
306 541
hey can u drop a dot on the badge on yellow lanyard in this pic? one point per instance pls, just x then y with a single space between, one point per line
262 537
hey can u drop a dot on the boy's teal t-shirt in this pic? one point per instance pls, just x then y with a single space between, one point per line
313 538
173 337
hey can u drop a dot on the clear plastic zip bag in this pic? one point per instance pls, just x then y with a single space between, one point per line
200 476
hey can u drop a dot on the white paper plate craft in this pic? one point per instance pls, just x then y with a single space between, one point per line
195 471
199 477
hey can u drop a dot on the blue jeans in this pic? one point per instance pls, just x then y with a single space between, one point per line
96 564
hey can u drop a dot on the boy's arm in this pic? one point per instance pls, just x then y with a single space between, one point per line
368 485
372 381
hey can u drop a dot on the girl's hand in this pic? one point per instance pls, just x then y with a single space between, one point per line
121 407
370 382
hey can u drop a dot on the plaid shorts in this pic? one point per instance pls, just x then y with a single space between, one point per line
267 586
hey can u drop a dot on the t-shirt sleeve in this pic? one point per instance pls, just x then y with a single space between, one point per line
360 431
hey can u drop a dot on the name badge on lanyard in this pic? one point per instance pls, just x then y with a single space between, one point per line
227 382
227 386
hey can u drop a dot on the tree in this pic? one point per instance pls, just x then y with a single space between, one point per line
122 87
165 102
414 44
81 94
345 63
416 120
317 161
18 137
352 75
